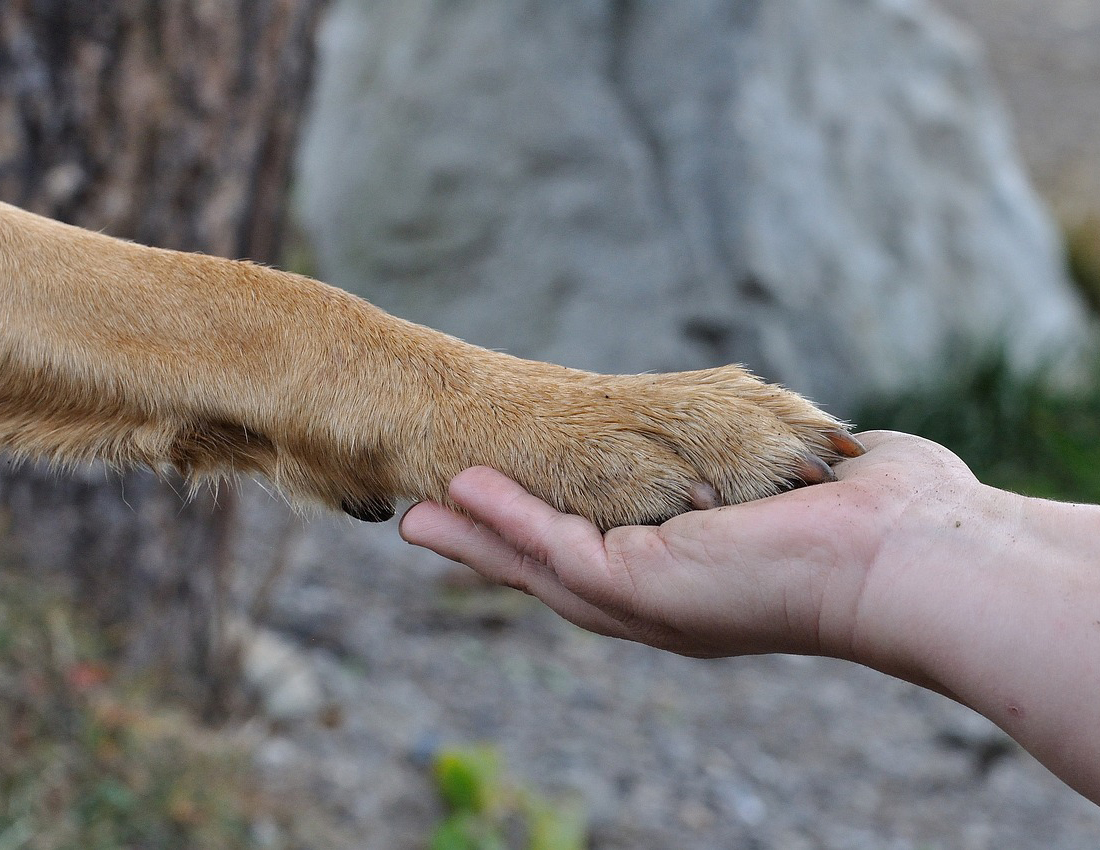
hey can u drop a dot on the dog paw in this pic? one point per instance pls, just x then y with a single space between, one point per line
640 449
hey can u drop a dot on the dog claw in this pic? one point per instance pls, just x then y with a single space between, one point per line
813 470
845 444
374 510
703 497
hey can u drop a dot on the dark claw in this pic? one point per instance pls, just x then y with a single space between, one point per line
845 444
375 510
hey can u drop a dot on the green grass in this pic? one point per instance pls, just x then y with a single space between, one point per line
1015 432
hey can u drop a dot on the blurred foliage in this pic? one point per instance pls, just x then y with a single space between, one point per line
1021 433
1083 258
81 768
1026 433
487 812
88 765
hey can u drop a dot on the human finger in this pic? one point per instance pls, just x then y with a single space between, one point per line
525 522
464 539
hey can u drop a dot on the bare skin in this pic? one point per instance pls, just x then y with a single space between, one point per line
906 564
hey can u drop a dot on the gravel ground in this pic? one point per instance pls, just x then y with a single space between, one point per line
666 752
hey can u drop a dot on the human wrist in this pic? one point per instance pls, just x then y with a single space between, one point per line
941 557
990 598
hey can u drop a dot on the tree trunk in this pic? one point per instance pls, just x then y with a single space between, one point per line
171 122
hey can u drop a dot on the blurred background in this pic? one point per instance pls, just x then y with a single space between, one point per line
890 205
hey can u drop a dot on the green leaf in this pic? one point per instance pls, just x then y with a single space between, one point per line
560 827
467 778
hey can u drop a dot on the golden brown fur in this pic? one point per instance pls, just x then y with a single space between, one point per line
133 355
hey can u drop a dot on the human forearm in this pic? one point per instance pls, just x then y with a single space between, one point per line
994 598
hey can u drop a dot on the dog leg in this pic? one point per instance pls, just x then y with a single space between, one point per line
132 355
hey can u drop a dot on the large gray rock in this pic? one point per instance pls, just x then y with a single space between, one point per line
825 190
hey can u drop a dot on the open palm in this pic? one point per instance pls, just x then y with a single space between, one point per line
782 574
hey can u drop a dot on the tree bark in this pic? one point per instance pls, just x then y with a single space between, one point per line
171 122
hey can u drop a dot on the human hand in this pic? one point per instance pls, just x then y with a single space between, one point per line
783 574
906 564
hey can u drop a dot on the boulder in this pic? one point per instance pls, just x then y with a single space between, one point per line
824 190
